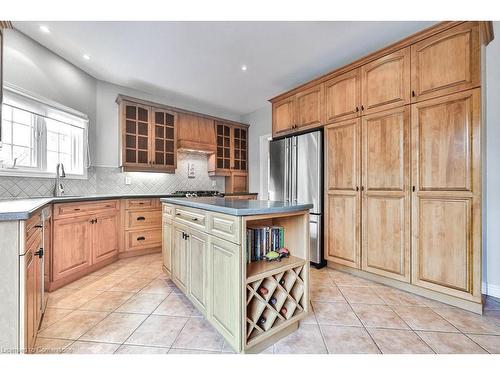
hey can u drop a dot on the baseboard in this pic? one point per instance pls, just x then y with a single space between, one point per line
491 290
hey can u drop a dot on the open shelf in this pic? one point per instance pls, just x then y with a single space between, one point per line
262 268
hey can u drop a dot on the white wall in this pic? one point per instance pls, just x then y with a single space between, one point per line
34 68
491 244
260 125
107 129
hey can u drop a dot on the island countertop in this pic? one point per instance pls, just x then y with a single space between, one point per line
238 207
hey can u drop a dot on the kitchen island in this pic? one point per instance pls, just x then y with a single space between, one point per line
252 302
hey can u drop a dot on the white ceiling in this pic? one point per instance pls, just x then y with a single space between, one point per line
202 60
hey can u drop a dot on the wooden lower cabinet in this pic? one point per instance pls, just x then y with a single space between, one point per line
446 222
180 257
72 245
198 270
30 310
224 293
105 237
167 235
385 193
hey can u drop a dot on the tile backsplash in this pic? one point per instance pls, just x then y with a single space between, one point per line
109 180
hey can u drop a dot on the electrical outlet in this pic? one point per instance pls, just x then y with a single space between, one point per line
214 183
128 180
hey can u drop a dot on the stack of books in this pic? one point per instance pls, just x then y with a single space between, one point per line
263 239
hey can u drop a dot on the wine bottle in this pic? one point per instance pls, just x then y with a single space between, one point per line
273 301
262 320
283 311
263 291
282 282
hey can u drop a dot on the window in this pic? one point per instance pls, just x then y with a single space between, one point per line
36 136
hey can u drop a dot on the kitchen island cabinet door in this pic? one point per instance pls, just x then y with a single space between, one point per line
224 293
180 258
71 251
198 268
167 243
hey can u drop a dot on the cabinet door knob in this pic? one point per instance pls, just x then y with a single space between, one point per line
413 93
362 108
357 109
357 188
413 188
195 219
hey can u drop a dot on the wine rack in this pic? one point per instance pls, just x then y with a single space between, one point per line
274 301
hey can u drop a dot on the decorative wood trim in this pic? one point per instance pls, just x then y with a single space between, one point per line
371 57
121 98
487 33
6 25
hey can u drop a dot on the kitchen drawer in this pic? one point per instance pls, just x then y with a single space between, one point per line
224 226
142 218
192 217
168 210
142 239
132 204
66 210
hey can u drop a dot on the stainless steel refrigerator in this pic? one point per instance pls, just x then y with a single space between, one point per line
296 175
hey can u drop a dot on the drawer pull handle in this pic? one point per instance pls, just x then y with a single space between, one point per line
194 219
178 214
141 238
141 218
141 202
76 209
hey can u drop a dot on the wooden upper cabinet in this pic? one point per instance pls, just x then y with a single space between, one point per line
309 106
163 136
136 146
283 115
148 138
240 141
446 171
386 82
447 62
343 96
196 133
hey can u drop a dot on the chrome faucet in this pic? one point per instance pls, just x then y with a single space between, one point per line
59 188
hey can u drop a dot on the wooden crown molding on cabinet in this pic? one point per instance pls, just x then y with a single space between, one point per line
148 103
486 28
6 25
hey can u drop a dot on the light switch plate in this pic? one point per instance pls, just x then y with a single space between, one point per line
191 173
214 183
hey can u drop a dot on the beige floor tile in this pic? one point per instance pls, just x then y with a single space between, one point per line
468 322
76 299
50 346
399 297
336 313
82 282
345 279
106 301
310 318
305 340
73 325
142 303
492 316
105 283
450 343
199 334
378 316
158 286
392 341
59 294
361 294
148 272
423 318
326 294
53 315
348 340
175 305
158 330
488 342
491 304
130 284
84 347
115 328
192 351
138 349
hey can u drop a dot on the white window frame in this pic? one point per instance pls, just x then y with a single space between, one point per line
51 109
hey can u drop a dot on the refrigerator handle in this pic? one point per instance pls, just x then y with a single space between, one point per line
287 166
294 174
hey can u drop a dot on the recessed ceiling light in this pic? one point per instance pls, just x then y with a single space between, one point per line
244 68
44 29
86 57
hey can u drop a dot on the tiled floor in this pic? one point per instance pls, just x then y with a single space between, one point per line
132 307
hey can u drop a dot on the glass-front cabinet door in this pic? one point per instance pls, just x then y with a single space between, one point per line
223 156
136 150
240 149
163 139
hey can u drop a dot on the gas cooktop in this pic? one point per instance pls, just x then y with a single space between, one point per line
198 193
